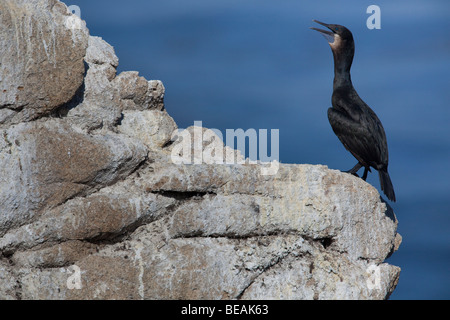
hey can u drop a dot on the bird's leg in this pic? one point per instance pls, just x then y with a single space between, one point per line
366 170
355 169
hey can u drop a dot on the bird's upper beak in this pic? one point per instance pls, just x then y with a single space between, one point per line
327 34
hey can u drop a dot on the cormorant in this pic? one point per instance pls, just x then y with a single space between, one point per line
352 120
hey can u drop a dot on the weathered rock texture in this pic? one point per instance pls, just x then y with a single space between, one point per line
41 59
92 207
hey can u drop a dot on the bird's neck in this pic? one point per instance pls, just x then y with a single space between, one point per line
342 80
342 65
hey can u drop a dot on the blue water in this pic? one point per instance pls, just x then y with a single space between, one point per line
256 64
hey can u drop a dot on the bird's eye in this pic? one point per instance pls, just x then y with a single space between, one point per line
336 28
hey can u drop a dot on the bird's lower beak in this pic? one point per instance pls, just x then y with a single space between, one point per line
327 34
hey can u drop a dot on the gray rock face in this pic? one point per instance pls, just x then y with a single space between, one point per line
92 205
41 58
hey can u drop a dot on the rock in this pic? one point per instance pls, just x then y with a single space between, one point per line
304 199
43 164
106 99
136 93
99 52
42 58
89 116
154 128
57 255
97 106
8 283
104 198
102 215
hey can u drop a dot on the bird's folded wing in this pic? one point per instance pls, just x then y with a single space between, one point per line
358 139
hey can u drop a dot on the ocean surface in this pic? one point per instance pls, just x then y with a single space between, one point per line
256 64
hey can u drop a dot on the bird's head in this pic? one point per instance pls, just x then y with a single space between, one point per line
338 36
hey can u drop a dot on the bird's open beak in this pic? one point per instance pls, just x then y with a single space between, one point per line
327 34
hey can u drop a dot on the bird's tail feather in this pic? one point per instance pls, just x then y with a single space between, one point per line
386 184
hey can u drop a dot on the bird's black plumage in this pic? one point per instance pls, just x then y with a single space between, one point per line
352 120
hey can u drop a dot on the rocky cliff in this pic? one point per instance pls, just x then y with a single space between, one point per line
92 204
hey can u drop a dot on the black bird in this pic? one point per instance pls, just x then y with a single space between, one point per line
352 120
